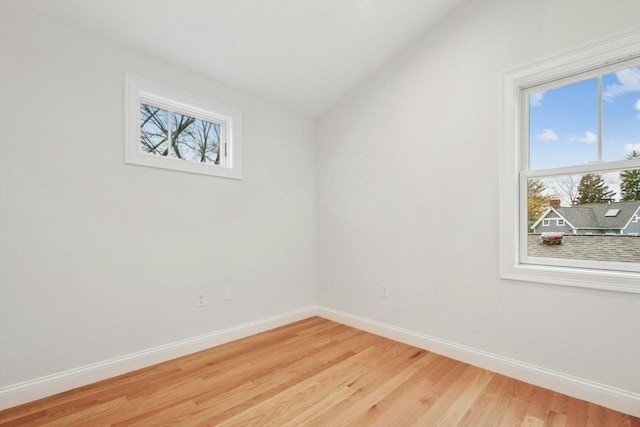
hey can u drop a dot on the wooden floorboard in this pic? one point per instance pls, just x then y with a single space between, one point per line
313 373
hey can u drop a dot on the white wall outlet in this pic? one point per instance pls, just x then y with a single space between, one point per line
384 291
202 299
228 293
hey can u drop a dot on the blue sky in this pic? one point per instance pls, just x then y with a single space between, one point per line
563 122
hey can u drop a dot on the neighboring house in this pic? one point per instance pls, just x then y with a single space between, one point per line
592 218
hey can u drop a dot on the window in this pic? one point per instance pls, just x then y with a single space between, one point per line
545 222
170 129
570 129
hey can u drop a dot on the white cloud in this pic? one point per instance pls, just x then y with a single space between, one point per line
630 148
637 105
589 138
535 99
629 81
547 135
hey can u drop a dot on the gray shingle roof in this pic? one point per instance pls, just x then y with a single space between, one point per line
592 215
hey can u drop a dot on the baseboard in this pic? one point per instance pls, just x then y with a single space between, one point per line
610 397
31 390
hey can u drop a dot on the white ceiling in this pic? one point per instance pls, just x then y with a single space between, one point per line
303 54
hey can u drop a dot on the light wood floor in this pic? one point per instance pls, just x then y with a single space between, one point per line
313 373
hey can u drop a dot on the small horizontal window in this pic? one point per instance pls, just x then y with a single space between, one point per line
170 129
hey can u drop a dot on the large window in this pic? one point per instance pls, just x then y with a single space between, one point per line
170 129
570 183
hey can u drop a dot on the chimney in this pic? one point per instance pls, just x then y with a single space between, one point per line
554 203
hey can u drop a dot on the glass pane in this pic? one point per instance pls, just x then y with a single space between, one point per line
153 130
208 142
183 137
563 125
621 114
589 217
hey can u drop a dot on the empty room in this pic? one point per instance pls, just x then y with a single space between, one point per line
320 213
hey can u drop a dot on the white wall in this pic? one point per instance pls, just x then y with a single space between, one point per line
100 259
92 266
408 196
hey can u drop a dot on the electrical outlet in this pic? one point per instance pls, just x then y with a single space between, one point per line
228 293
384 291
202 299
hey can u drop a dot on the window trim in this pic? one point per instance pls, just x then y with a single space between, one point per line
515 82
139 90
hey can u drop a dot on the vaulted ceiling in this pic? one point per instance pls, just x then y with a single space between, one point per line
302 54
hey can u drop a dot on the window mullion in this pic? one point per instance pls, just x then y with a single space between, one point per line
196 157
169 133
524 136
583 169
223 150
522 227
599 117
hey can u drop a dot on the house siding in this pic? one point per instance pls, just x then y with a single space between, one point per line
632 228
589 231
592 219
553 226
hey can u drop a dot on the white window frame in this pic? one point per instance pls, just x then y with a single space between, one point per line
560 222
142 91
516 84
545 222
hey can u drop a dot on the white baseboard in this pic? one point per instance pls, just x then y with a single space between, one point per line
610 397
31 390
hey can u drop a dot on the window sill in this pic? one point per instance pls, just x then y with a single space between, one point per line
617 281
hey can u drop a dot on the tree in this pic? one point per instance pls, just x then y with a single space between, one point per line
567 189
592 189
630 181
537 202
208 148
177 135
153 130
